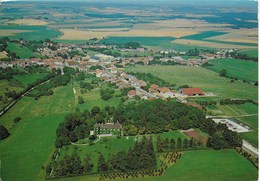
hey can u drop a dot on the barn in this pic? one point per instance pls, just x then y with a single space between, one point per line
192 92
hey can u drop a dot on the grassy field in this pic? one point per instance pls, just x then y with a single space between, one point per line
6 86
250 52
203 35
145 41
251 121
237 110
242 69
109 145
92 98
27 79
207 80
31 32
21 51
252 136
204 165
31 143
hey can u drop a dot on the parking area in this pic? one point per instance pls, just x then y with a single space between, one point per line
233 125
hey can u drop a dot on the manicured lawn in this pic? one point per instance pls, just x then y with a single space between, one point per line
203 165
31 143
207 80
241 69
21 51
27 79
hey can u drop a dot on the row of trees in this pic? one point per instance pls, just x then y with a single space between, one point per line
172 145
71 166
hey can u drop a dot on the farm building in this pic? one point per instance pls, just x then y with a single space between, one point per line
108 128
192 92
166 92
131 93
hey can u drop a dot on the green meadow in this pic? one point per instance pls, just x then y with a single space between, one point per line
246 113
207 80
36 32
203 165
241 69
145 41
250 52
21 51
92 98
31 143
27 79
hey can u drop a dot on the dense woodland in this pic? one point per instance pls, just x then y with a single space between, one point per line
145 118
141 156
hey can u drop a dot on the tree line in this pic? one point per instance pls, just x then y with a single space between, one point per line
158 116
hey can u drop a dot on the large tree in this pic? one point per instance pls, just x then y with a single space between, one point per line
3 132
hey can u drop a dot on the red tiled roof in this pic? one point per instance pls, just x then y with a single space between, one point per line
153 86
131 93
164 90
192 91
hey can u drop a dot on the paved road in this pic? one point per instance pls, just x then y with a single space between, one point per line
247 146
240 116
16 100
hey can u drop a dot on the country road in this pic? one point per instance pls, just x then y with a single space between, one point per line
247 146
24 94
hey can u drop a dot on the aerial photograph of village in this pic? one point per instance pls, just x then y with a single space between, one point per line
129 90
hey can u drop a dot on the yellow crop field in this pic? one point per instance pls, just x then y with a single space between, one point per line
241 35
30 22
208 44
11 32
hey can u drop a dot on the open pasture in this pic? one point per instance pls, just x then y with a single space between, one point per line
207 80
29 32
21 51
34 136
250 52
241 69
27 79
92 98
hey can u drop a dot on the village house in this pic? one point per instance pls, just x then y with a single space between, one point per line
153 88
192 92
108 128
165 92
131 93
